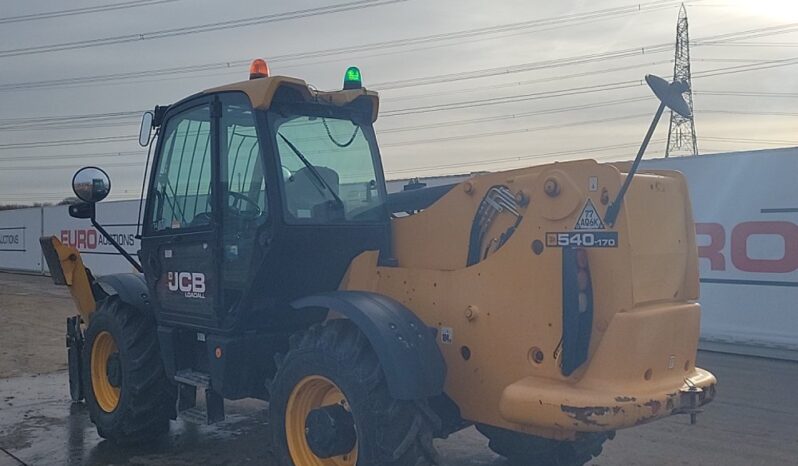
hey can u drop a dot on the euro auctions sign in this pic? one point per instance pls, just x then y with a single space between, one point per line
90 240
745 205
12 238
117 217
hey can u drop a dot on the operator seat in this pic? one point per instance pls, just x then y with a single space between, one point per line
305 196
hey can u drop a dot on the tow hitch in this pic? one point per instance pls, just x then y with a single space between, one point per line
693 398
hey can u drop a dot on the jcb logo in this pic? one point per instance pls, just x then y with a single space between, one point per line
191 284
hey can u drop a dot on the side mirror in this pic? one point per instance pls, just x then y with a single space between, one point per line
91 184
82 210
146 128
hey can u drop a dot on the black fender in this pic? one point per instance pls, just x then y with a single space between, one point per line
411 360
130 287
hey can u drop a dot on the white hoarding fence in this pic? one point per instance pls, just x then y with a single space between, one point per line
19 240
746 211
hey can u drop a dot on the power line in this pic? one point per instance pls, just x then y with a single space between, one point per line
583 90
507 70
126 122
384 131
74 156
459 35
511 116
434 38
423 109
81 11
85 116
444 124
511 131
658 48
208 27
513 98
750 44
749 34
743 68
747 112
68 142
589 58
428 108
508 159
526 82
779 95
74 165
450 106
752 140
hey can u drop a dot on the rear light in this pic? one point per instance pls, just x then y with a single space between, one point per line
577 309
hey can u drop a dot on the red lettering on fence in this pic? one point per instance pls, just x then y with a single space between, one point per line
740 258
739 247
717 241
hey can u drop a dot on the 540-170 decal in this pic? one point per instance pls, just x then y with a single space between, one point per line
582 239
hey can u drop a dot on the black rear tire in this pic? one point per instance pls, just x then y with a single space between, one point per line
146 398
389 432
529 450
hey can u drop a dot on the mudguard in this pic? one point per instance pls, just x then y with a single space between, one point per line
130 287
411 360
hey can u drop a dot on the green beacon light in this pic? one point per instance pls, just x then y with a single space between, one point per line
352 79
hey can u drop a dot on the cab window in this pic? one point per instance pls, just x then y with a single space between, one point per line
328 171
182 184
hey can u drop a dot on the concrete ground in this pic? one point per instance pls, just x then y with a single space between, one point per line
754 420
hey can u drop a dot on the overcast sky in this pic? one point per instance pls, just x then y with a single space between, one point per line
423 136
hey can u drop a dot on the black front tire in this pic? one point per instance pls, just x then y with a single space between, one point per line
389 432
146 400
529 450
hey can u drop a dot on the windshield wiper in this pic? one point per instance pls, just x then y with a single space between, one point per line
315 172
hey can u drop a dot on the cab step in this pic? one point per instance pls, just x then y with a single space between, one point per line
187 382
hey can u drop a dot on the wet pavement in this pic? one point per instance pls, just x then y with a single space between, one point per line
40 426
754 421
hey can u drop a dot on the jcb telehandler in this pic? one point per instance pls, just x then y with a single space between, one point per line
549 306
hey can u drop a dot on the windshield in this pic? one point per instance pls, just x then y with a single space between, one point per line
328 169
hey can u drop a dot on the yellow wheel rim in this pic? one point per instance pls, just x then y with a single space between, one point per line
107 395
311 393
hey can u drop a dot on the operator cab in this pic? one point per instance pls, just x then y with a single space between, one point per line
260 192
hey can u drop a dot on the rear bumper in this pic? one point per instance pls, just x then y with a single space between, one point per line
554 405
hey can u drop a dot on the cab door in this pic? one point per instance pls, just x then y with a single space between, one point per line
247 228
180 235
332 200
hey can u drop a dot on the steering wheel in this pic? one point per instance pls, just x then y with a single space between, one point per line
238 198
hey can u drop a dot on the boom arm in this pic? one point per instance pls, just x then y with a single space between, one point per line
66 268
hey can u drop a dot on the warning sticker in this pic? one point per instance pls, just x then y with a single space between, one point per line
447 335
589 219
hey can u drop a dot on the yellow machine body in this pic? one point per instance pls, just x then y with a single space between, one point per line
503 315
66 268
